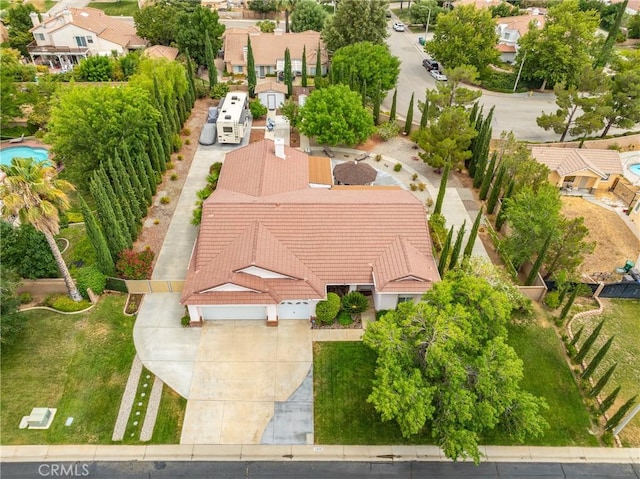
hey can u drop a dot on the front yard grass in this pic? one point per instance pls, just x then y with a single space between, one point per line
123 8
78 364
622 320
343 372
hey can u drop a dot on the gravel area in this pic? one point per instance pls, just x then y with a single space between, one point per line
128 398
152 410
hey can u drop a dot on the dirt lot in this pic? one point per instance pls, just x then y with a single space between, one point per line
615 243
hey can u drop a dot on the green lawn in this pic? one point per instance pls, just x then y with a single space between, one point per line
78 364
342 382
622 320
120 8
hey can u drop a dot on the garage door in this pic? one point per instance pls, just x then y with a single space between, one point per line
234 312
293 310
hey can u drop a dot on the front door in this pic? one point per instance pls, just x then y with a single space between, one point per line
271 101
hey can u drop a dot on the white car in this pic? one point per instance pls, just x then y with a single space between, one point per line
398 26
438 75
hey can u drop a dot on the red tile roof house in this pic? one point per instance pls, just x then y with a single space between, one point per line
271 246
268 51
511 29
64 39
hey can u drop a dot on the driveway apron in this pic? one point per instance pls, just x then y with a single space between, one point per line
244 372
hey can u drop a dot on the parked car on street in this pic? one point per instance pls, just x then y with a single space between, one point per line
398 26
430 64
438 75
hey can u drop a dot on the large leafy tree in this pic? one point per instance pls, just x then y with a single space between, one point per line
33 192
10 321
194 27
308 15
423 11
366 64
622 102
356 22
560 51
97 68
157 23
465 36
19 22
444 364
88 123
532 216
568 247
335 116
447 140
25 250
520 166
451 92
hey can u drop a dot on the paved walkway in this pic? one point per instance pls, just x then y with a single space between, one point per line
207 452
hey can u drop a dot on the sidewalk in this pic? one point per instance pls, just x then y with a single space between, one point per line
204 452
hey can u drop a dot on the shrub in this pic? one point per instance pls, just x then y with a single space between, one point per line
355 302
185 132
165 200
258 110
74 217
378 157
173 177
414 177
170 165
326 311
344 318
219 90
552 299
25 297
185 320
156 221
413 187
201 90
64 303
176 142
135 264
388 130
180 157
381 312
438 230
90 277
187 141
397 167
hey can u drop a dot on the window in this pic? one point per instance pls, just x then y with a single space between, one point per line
89 39
237 69
507 35
81 41
405 299
227 129
40 36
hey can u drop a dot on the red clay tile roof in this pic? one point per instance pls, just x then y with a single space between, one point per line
521 22
161 51
271 86
566 161
315 236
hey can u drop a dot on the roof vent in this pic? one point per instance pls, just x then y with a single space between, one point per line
227 117
279 142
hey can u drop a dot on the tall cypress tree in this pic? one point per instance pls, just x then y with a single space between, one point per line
125 202
457 247
502 214
588 343
162 155
605 53
473 147
138 174
602 382
192 85
409 121
210 60
569 303
153 178
424 117
597 359
116 238
392 114
377 100
122 177
473 234
609 400
182 109
441 191
613 422
538 262
318 74
117 206
488 176
495 191
251 69
136 184
444 254
104 260
154 154
174 122
288 74
304 66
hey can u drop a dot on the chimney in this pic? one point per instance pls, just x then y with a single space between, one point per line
245 52
279 142
66 14
35 19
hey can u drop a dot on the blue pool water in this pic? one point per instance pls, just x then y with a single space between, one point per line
635 169
7 154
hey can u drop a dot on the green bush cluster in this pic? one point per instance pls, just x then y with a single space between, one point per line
389 130
552 299
326 311
438 230
258 110
90 277
355 303
64 303
135 264
219 90
344 318
204 193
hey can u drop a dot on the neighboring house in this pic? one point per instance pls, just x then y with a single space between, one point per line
633 7
161 51
271 246
511 29
271 94
478 3
64 39
580 169
268 51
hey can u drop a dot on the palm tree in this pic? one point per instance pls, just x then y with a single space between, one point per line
287 6
33 192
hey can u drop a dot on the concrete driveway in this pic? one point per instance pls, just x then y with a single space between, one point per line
251 384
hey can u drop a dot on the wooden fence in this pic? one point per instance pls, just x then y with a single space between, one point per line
143 286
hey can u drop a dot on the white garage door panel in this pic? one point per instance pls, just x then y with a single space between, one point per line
234 312
293 310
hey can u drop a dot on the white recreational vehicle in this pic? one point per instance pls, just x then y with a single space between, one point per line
233 119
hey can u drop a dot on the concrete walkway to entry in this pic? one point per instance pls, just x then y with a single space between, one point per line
242 369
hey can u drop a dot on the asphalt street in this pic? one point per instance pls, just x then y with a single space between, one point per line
317 470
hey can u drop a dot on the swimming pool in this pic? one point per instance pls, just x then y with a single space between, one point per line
635 169
7 154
